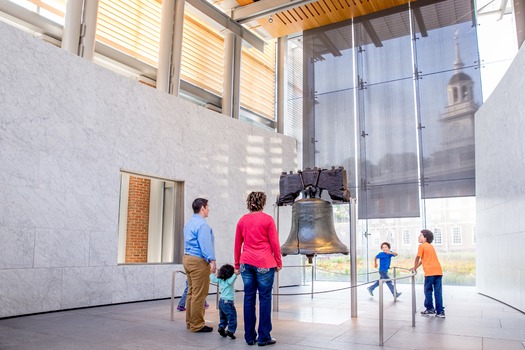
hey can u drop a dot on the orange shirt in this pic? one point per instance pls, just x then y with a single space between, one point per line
429 260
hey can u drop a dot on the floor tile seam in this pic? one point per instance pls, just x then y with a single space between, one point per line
115 317
375 343
454 333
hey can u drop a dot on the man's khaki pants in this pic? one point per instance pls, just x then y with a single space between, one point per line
198 274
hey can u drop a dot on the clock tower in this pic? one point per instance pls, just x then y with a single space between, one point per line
458 117
451 168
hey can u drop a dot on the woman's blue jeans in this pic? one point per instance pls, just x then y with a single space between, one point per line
255 280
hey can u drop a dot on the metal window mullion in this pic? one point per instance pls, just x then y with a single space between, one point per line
282 49
236 96
88 29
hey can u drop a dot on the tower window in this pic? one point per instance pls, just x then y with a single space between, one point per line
464 92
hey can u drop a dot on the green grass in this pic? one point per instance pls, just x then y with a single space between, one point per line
459 268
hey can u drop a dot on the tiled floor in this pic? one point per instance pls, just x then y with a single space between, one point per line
322 322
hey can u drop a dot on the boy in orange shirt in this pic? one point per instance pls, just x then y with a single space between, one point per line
426 256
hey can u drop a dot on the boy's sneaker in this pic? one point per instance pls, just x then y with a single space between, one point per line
230 334
428 312
441 315
398 294
370 291
222 332
181 308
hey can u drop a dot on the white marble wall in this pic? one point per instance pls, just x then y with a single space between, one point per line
500 189
67 129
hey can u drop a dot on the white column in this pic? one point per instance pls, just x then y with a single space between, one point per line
72 24
177 47
89 26
165 45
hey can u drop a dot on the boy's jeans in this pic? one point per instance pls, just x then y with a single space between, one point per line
433 283
384 276
228 315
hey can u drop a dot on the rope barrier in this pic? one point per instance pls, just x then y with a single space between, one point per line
318 292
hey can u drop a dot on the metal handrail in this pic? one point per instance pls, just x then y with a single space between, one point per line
173 293
381 282
381 306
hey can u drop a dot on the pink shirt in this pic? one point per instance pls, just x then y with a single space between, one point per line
257 241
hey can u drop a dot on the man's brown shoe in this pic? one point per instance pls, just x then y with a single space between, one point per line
205 329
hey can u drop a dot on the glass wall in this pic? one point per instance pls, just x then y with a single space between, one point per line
392 97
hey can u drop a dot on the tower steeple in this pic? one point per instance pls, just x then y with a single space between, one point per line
458 63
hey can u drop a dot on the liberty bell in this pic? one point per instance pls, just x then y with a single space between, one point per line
313 230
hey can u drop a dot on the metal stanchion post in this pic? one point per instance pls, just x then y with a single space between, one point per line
217 297
413 299
303 263
172 293
381 342
276 293
395 284
276 282
312 288
353 258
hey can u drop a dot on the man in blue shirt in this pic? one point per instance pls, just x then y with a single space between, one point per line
199 262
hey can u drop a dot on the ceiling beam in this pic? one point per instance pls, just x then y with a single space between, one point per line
420 22
228 23
329 44
372 33
265 8
502 8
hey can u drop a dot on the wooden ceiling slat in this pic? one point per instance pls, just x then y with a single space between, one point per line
320 13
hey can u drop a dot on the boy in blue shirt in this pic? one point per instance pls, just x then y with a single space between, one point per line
384 264
228 314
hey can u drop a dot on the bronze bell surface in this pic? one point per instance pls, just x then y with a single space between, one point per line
313 230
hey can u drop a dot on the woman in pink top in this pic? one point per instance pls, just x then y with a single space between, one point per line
257 257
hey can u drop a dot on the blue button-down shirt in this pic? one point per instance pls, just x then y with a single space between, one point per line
198 238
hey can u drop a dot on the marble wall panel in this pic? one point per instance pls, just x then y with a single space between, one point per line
87 286
134 282
2 205
17 247
500 150
25 291
162 281
61 248
34 207
91 212
102 250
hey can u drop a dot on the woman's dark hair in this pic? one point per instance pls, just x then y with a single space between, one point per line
225 272
428 235
256 201
385 243
198 203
